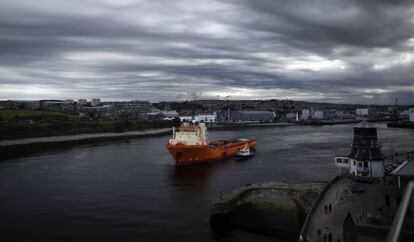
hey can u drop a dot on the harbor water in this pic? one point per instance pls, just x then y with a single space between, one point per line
131 190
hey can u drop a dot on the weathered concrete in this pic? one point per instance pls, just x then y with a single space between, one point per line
366 209
276 208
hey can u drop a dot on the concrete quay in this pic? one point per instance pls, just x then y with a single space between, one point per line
371 212
276 209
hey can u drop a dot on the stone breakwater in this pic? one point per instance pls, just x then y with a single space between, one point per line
277 209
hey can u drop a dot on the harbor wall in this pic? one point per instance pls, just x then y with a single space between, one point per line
316 204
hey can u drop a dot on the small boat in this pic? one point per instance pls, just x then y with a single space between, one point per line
245 153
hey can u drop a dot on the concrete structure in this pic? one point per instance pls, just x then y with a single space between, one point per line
411 114
95 101
366 159
365 216
251 116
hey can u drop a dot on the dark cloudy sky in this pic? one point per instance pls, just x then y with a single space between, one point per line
357 51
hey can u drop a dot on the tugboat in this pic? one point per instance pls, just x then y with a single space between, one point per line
245 153
190 145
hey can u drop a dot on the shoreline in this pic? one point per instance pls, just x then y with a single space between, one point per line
15 148
10 149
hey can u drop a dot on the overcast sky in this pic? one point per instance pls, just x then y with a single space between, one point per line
332 50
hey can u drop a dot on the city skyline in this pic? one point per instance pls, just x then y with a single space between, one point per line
337 52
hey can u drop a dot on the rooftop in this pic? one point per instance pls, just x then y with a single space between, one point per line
405 169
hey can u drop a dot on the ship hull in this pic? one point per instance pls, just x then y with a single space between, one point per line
197 154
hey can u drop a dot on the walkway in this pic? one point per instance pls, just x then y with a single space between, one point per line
361 207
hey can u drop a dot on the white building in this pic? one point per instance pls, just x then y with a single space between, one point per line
206 118
366 159
170 115
411 114
201 118
186 118
362 112
305 114
95 101
317 114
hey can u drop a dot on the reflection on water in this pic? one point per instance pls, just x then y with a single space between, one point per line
131 191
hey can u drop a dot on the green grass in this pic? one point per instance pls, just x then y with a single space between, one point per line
8 114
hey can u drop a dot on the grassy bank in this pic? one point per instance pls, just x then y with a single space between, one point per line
17 124
36 115
16 148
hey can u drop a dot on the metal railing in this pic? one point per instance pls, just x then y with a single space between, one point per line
398 222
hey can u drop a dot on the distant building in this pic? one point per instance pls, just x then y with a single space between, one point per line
317 114
69 101
170 115
345 114
134 109
291 116
205 118
252 116
411 114
362 112
54 105
82 102
97 109
21 104
95 101
305 114
330 114
186 118
366 159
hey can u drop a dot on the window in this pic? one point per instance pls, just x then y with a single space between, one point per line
354 163
339 160
360 164
345 161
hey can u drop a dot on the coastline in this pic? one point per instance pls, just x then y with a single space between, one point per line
14 148
10 149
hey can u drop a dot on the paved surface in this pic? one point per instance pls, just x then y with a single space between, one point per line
363 208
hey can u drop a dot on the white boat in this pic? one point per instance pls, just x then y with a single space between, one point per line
245 153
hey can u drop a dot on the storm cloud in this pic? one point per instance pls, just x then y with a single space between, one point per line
334 51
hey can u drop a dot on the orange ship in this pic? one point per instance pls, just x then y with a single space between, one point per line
189 145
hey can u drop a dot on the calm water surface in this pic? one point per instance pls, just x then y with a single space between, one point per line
131 191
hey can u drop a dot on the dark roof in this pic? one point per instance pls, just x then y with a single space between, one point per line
364 153
405 169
